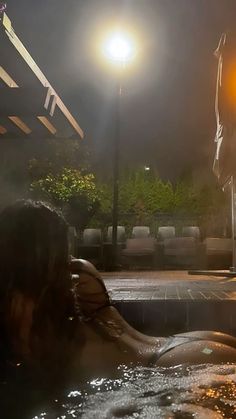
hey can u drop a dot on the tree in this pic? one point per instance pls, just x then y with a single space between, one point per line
143 196
75 193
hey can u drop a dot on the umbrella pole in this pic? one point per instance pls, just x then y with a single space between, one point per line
231 273
232 183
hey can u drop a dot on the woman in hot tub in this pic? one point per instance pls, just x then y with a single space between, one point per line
56 315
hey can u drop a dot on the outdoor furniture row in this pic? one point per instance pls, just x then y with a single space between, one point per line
143 250
191 252
95 235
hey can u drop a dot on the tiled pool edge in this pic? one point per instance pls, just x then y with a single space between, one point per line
169 316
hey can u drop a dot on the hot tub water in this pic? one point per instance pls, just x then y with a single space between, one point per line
203 391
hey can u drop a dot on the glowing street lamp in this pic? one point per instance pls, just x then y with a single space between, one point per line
119 49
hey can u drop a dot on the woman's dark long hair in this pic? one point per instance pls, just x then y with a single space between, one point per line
33 247
34 260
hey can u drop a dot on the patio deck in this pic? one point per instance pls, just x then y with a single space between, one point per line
163 302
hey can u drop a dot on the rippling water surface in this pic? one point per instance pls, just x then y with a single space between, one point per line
205 391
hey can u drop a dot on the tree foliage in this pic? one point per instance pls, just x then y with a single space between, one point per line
143 196
61 187
75 193
59 172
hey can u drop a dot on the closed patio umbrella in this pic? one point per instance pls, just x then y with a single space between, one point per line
225 107
224 165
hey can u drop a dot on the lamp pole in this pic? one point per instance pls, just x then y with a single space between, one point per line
232 185
119 49
116 170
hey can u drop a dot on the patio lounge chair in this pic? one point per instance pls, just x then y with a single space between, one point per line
218 252
120 234
107 247
165 232
184 252
191 231
140 232
139 252
91 246
72 241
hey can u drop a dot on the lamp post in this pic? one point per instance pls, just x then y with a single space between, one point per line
119 50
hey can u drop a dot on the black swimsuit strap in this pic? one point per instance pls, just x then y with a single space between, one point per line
83 266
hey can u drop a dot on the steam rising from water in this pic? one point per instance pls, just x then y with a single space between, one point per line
205 391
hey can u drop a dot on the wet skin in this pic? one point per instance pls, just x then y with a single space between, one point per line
97 340
111 341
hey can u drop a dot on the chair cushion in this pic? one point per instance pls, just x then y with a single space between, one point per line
139 246
166 232
120 234
92 236
140 232
184 251
141 243
218 245
177 242
137 252
180 246
191 231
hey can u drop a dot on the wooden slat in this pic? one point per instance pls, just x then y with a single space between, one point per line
20 124
7 78
6 22
47 124
38 73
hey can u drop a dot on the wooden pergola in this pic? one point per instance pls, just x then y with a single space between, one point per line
29 105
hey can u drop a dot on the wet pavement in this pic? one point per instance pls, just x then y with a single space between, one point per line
168 285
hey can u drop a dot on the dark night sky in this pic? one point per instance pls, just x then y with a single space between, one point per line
168 104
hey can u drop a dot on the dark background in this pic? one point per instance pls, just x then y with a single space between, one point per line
167 113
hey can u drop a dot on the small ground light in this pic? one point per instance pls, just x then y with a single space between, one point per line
146 168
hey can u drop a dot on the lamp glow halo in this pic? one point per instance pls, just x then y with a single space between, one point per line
119 48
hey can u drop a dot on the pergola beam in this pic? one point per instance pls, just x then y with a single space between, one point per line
3 130
20 124
8 80
47 124
39 74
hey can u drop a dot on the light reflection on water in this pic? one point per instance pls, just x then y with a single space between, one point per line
206 391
